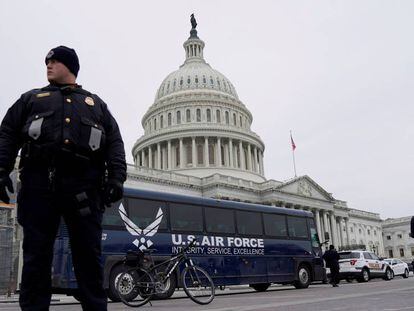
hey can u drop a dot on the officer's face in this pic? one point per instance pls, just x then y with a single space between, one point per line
57 72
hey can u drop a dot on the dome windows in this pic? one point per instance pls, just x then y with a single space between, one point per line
161 121
208 115
196 79
227 118
169 119
188 115
178 117
198 115
204 80
218 117
234 119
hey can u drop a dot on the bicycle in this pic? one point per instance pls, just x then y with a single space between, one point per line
143 283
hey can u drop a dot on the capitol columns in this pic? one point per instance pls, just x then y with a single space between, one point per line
318 223
169 154
159 156
218 151
255 159
149 157
138 160
206 155
181 153
348 240
193 150
249 157
231 152
241 153
261 162
143 157
341 236
334 230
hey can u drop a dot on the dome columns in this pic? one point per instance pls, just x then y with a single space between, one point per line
201 151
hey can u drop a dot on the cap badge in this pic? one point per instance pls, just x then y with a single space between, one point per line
50 54
89 101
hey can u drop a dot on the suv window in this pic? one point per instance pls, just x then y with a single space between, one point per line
367 255
349 255
373 256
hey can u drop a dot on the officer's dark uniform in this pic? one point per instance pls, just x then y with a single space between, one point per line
331 258
69 142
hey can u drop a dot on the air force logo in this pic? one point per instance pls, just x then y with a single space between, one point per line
142 242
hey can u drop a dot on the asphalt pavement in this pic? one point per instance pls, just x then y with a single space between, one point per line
378 295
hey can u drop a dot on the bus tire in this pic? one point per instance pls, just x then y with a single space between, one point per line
303 277
113 278
169 290
260 287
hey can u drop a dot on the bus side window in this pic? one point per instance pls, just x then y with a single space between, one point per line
314 233
219 220
249 223
111 217
275 225
186 217
297 227
147 213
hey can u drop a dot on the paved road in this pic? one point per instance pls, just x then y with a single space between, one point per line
378 295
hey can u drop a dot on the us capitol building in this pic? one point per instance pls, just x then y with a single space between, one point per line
198 141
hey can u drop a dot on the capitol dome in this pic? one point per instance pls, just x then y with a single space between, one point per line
197 125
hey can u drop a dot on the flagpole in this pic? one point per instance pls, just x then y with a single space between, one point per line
293 153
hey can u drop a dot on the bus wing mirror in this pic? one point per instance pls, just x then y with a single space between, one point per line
326 235
412 227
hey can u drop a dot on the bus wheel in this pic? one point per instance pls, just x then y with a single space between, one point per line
303 277
113 279
261 287
168 287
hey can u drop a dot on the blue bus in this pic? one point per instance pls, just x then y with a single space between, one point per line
237 243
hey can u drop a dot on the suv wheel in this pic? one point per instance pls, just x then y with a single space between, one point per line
406 274
388 275
364 275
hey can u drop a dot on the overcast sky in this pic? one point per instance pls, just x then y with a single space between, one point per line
339 74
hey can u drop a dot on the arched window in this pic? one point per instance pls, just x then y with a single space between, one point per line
161 121
218 117
208 115
198 115
188 115
234 119
169 119
155 124
227 118
241 122
178 117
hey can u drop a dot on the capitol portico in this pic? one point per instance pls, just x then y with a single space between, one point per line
198 141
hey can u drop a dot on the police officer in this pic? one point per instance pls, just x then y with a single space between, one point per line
72 165
331 258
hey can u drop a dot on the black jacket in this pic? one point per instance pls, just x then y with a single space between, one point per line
331 258
65 127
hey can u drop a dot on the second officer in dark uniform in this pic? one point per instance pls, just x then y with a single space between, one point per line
72 164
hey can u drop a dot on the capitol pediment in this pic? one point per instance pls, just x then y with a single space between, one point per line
305 186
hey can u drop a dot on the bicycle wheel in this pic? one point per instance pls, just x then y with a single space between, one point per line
198 285
135 282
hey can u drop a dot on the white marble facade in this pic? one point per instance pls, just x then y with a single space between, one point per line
197 140
397 240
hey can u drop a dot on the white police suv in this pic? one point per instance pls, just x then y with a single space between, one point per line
363 266
399 267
